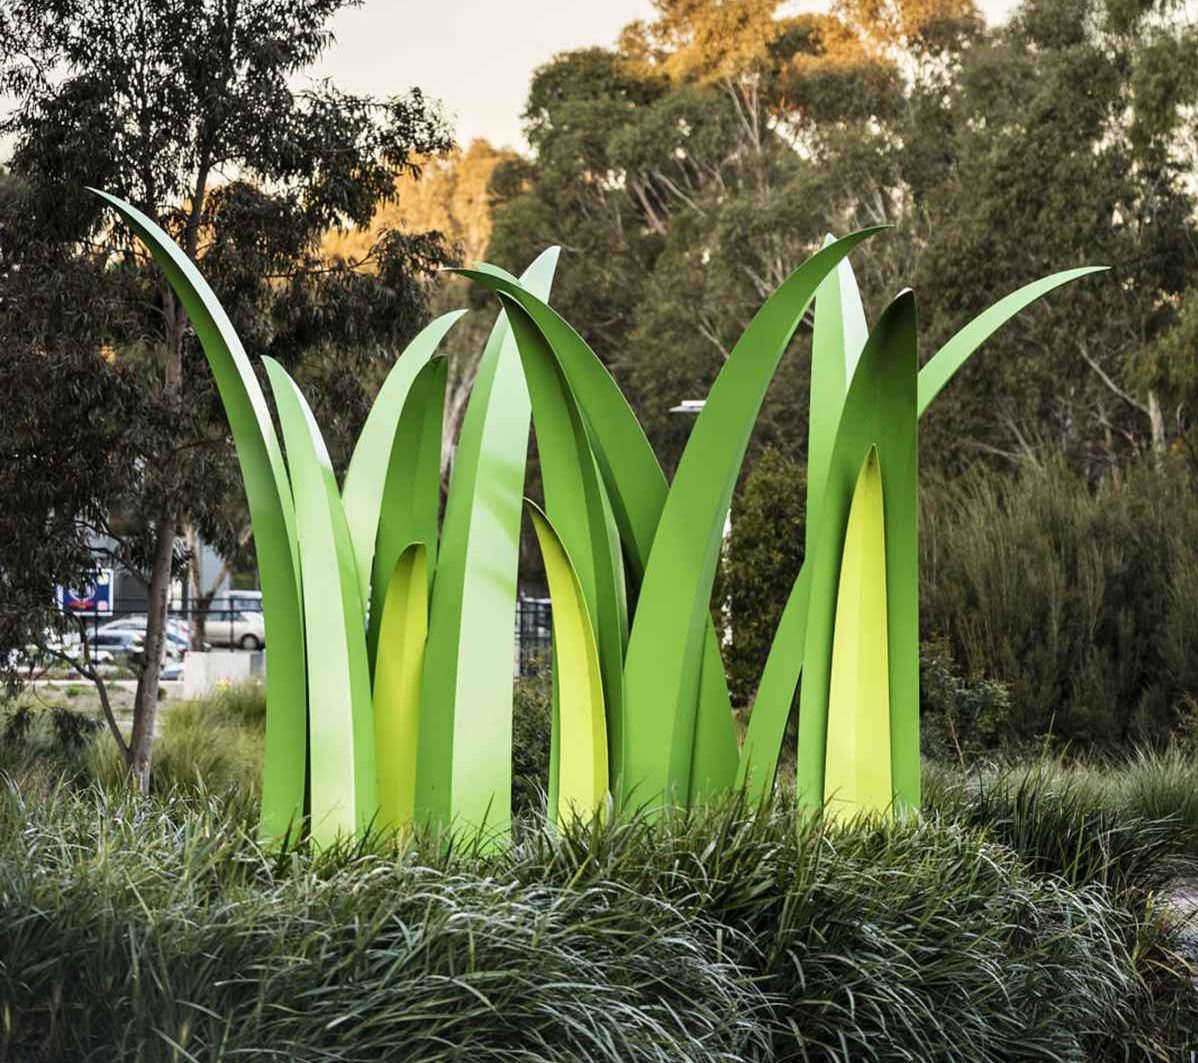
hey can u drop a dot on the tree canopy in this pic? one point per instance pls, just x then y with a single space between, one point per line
190 111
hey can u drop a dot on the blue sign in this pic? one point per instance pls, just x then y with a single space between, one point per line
95 597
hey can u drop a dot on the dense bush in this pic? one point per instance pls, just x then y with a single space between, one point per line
763 557
155 929
1050 608
1082 601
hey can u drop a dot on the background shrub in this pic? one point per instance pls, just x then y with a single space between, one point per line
1082 600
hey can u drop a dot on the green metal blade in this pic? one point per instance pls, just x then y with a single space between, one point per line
272 516
342 769
464 770
403 631
582 746
839 337
410 502
946 361
366 477
665 646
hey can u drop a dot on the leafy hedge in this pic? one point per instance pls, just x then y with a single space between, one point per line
156 929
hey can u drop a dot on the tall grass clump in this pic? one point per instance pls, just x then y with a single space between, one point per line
1065 822
159 929
914 940
211 743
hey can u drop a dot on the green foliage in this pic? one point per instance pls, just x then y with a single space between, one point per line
191 113
532 723
212 744
1078 599
46 738
761 561
960 716
1067 822
719 935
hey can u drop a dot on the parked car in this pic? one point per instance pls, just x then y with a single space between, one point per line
243 601
177 643
128 644
237 628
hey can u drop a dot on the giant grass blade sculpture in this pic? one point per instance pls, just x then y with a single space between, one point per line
390 633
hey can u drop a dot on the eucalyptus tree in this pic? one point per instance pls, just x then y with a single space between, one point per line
197 112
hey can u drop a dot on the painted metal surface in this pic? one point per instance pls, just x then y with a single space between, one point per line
342 796
582 746
272 517
403 631
410 502
377 446
577 506
464 770
641 702
857 776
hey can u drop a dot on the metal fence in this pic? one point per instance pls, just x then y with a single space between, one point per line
534 636
236 623
228 622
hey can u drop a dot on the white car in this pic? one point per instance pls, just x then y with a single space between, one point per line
235 628
175 643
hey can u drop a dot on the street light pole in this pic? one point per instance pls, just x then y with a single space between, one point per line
694 407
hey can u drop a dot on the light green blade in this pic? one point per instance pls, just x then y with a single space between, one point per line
775 693
342 770
576 503
637 490
839 337
879 411
362 491
758 763
665 646
857 772
946 361
582 745
410 500
403 631
272 516
464 770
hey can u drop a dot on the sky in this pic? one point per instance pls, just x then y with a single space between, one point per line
477 56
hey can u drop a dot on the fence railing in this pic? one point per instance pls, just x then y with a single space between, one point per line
235 623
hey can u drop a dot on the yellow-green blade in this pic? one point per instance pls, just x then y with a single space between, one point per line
399 666
857 770
879 411
582 746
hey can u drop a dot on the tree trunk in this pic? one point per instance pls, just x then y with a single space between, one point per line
1156 421
145 703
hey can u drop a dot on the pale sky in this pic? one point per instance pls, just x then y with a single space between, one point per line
477 56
